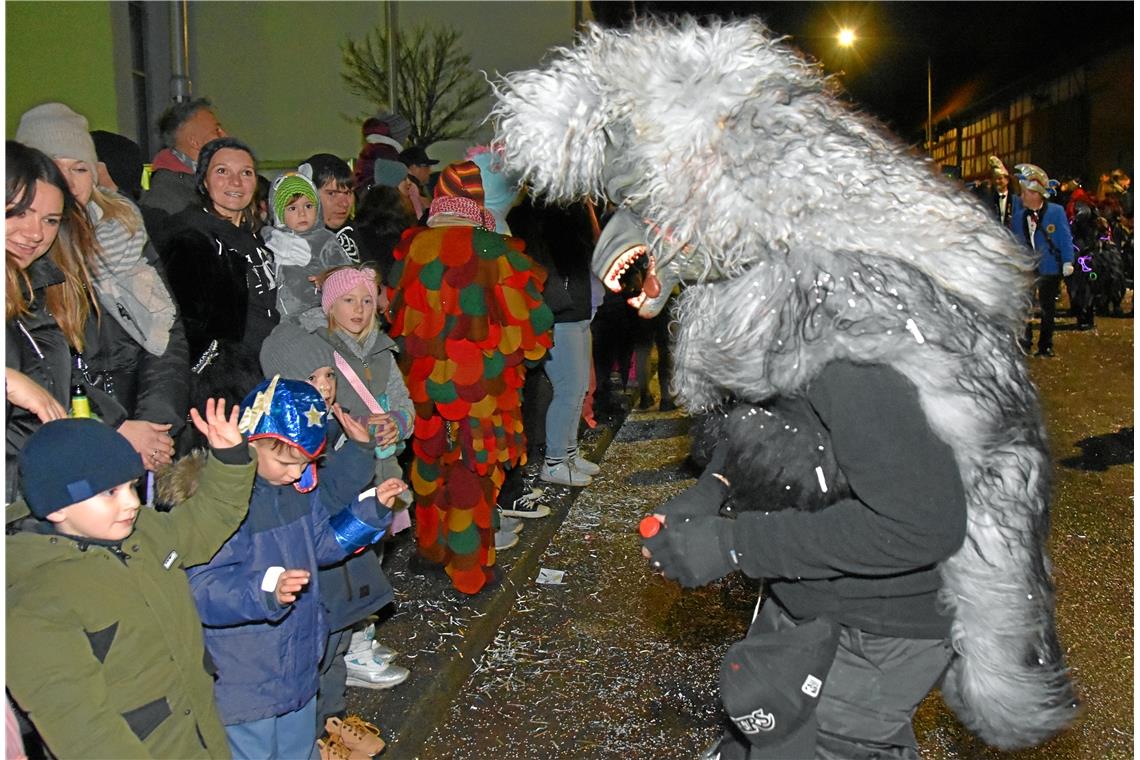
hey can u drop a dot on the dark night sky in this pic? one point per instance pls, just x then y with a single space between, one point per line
976 48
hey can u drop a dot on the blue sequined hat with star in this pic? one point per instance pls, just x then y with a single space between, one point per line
291 411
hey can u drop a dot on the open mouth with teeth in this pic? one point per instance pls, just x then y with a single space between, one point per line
634 271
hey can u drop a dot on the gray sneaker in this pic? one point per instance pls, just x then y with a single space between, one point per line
584 466
505 539
563 474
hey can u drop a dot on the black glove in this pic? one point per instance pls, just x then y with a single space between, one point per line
704 498
693 550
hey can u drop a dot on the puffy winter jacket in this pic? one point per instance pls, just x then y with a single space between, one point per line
267 654
354 588
105 650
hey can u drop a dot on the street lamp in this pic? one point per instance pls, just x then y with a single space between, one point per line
845 37
929 121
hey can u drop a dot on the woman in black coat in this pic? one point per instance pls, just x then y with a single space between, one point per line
222 278
133 348
46 308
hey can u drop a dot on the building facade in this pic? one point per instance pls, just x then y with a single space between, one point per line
1076 123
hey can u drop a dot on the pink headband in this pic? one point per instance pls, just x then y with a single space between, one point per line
344 280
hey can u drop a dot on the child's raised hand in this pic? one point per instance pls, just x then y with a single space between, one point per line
289 585
352 427
387 491
221 431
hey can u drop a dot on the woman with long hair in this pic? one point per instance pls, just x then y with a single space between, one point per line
133 355
46 307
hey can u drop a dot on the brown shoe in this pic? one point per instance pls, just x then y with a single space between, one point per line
333 748
356 733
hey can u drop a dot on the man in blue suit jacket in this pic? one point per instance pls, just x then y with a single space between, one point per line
1043 226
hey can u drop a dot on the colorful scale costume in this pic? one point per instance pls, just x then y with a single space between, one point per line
468 306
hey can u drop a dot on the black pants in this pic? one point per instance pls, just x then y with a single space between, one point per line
868 701
1048 287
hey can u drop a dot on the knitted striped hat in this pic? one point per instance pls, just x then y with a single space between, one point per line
461 179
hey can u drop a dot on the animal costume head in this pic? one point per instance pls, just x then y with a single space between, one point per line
808 234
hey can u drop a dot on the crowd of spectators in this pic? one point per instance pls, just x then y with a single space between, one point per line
437 324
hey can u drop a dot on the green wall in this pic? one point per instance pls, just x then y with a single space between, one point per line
60 51
273 69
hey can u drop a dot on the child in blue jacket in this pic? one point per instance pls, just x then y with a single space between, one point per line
259 597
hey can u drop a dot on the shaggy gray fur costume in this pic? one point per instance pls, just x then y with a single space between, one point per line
809 235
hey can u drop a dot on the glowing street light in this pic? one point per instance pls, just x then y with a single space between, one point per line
846 38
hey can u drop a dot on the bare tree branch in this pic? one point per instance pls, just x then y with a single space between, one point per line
435 86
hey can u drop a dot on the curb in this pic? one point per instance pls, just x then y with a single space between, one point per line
456 628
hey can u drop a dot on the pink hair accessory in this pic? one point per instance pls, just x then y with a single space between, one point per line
344 281
465 208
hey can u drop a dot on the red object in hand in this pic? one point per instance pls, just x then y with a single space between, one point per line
649 526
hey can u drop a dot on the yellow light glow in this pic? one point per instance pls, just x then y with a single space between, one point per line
846 37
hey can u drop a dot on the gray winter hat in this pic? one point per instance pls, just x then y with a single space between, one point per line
59 132
293 352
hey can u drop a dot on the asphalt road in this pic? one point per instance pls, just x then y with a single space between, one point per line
615 662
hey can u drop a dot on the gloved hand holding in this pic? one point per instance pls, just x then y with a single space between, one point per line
1066 269
704 498
693 550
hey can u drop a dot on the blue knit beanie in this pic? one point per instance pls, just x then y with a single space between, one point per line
69 461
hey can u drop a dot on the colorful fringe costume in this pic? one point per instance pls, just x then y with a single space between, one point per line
468 305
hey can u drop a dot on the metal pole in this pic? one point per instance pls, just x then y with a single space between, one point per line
929 120
393 46
180 85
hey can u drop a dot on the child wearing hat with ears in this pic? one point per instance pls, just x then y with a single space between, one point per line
370 383
302 246
259 597
105 649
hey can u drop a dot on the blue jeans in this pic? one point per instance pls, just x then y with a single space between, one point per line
569 371
291 736
330 692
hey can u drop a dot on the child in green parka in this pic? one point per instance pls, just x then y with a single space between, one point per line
105 649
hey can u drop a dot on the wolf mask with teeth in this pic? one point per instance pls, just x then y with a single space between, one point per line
807 234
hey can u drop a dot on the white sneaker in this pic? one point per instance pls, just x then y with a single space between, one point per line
362 640
381 654
505 539
584 466
365 672
564 475
510 524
